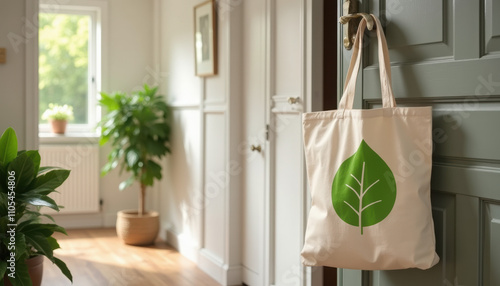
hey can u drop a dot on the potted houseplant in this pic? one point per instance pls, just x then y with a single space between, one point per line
24 189
138 128
58 117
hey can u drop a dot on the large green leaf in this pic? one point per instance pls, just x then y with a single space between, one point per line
3 179
45 229
43 170
53 243
35 158
127 183
27 222
159 129
152 171
24 170
156 148
55 228
40 243
8 146
108 167
36 229
3 268
51 179
108 102
36 192
22 277
43 201
132 156
64 268
364 189
3 204
21 248
145 115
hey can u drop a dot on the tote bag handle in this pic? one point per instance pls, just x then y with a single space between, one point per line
388 100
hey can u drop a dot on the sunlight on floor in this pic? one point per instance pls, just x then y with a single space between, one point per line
97 257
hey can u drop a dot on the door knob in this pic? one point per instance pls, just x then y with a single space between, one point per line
256 148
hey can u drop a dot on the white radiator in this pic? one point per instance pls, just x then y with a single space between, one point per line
80 192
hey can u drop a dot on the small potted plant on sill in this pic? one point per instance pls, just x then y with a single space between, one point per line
24 238
138 127
58 117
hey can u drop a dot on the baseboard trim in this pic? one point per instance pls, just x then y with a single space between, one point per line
206 261
233 274
217 269
250 277
212 265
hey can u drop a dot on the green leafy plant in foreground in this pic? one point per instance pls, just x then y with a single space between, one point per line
138 127
364 189
26 186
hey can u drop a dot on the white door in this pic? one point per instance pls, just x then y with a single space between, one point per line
287 96
254 133
273 183
445 54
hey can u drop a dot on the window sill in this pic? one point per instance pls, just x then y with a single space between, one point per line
69 138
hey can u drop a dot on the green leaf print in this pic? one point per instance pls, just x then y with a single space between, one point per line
364 189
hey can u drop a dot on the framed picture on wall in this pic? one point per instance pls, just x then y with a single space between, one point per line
205 39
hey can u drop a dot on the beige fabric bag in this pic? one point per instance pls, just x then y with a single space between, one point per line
369 174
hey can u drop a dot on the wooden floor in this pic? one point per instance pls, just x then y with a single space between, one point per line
96 257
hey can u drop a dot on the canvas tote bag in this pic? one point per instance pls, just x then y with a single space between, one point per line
369 174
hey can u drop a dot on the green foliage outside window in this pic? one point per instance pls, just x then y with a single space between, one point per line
63 62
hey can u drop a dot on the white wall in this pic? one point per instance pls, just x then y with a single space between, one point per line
12 74
200 200
128 64
180 199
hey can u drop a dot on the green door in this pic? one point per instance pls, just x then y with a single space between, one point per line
445 54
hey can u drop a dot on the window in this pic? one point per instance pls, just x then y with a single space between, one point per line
69 63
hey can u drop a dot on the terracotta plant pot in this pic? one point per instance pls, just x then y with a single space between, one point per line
58 126
137 230
35 270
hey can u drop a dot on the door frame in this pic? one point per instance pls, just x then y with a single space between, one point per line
31 79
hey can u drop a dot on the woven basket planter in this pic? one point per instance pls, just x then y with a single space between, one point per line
137 230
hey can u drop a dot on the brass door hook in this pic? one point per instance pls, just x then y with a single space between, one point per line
369 20
350 21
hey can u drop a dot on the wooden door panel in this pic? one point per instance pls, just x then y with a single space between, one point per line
432 38
445 54
455 125
285 82
491 246
491 26
445 79
286 51
400 17
458 135
443 209
288 201
466 180
253 104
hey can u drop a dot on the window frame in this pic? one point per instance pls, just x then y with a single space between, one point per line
94 64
